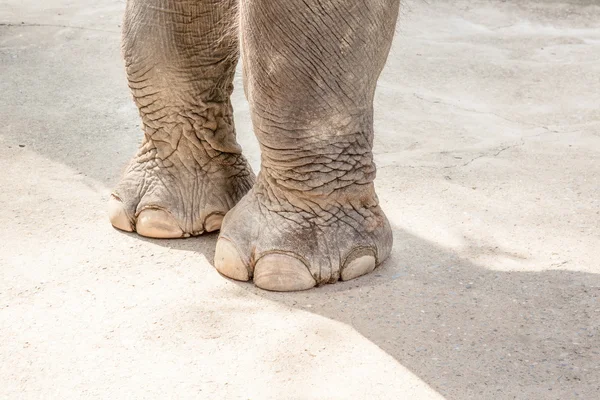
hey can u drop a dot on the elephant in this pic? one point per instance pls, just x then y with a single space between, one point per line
310 68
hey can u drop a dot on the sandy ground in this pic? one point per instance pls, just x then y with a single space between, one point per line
488 147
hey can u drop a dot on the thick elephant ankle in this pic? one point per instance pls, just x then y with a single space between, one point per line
289 250
179 198
189 171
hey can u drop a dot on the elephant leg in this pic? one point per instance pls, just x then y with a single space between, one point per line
313 217
180 57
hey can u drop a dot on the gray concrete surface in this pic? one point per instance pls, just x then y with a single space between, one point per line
488 147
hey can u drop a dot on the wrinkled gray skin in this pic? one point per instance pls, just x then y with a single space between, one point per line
310 71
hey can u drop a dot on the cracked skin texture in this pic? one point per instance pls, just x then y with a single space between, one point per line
310 70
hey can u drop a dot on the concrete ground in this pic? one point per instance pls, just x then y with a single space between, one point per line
488 147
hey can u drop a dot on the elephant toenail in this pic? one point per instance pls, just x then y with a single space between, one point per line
359 262
213 222
228 261
118 215
282 273
156 223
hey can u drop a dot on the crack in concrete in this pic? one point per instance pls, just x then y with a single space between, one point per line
489 113
486 155
497 153
477 111
83 28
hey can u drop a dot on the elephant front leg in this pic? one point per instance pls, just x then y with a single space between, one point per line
189 171
310 72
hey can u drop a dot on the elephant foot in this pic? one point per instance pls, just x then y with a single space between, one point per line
184 194
289 243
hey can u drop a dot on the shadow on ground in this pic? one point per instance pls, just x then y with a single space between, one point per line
465 330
